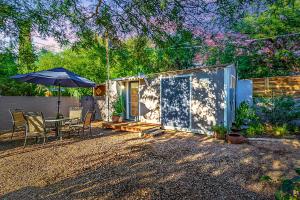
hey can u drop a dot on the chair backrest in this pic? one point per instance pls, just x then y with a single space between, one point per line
35 124
75 113
18 117
88 118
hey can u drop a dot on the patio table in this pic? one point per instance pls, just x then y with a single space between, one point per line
58 123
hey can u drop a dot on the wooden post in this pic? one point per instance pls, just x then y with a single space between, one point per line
107 71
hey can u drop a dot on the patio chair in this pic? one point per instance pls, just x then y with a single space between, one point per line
18 119
87 123
75 115
65 127
35 127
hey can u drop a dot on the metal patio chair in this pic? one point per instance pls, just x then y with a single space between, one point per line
75 115
86 124
35 127
18 119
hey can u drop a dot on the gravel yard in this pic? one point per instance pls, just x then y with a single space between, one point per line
118 165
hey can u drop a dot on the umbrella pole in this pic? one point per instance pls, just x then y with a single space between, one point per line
58 101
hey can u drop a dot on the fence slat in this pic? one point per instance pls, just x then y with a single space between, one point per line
286 85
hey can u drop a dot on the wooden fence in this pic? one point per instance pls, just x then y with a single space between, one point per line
280 85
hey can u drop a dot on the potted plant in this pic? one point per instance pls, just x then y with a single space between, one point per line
118 110
219 131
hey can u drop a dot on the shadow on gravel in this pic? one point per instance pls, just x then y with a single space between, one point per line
164 168
9 147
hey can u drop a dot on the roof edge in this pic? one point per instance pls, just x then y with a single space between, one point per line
175 71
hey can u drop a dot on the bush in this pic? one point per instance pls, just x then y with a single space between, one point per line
279 110
255 129
245 115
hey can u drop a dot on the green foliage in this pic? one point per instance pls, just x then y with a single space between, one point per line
272 56
280 18
119 106
219 55
219 129
289 189
8 86
265 178
279 110
175 53
26 55
245 115
255 129
293 129
281 130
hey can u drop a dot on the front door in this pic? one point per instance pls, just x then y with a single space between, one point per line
133 100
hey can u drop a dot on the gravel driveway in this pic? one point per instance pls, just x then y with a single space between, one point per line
118 165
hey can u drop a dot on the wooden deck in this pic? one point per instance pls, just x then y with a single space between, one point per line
137 127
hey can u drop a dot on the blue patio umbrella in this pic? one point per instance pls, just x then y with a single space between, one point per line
60 77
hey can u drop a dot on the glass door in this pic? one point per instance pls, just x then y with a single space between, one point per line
133 99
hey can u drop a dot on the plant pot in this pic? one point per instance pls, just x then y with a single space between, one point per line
115 118
120 119
219 137
235 138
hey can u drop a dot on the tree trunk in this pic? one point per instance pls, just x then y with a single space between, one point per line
26 56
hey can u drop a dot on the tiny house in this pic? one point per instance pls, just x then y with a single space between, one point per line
188 100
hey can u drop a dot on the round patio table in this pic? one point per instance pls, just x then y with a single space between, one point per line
58 123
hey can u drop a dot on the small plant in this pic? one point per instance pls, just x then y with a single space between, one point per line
265 178
289 189
220 131
281 130
119 107
255 129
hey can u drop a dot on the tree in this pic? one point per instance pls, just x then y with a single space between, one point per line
18 19
276 45
9 87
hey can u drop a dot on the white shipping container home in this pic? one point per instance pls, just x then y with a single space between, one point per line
189 100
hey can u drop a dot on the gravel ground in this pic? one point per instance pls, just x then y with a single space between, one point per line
118 165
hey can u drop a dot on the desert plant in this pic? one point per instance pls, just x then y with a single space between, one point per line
290 188
255 129
245 114
119 107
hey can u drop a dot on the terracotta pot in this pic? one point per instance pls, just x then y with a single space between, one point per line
120 119
235 138
115 118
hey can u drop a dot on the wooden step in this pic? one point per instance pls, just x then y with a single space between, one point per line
154 132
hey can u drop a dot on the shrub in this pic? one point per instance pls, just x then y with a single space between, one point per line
255 129
279 110
245 115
